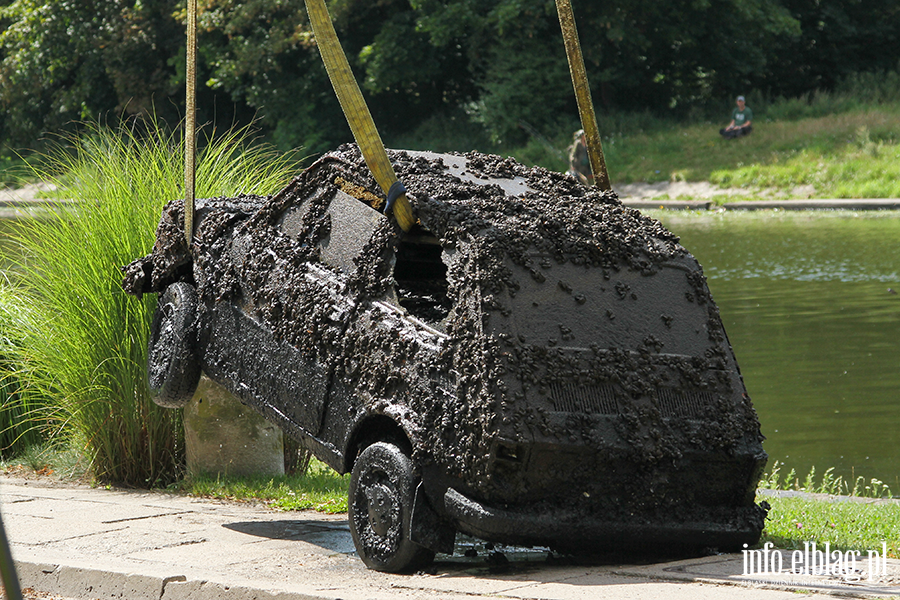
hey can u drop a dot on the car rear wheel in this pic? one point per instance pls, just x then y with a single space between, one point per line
382 490
172 366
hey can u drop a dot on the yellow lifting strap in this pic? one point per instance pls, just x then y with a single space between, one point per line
356 110
583 94
190 121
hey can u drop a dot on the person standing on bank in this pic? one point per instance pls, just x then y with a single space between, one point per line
741 121
579 161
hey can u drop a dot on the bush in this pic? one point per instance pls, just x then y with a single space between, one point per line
88 353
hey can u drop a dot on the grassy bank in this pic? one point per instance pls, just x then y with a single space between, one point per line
852 153
319 488
845 525
842 144
850 515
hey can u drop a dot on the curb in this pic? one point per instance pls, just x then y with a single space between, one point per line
822 204
669 204
76 582
818 497
838 204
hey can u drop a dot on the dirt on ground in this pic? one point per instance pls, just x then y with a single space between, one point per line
689 190
32 192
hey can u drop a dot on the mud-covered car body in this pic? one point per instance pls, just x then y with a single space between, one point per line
551 361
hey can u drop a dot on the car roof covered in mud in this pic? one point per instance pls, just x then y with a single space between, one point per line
496 205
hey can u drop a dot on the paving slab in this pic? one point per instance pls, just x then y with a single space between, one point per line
83 542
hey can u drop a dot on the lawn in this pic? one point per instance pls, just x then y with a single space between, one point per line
850 155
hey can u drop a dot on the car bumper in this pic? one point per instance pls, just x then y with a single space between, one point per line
577 531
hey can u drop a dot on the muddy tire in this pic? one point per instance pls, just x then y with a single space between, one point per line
172 367
382 490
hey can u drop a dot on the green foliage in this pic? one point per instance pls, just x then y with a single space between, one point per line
48 459
846 525
827 484
259 54
522 83
88 352
837 39
445 132
645 54
76 60
11 169
320 488
502 60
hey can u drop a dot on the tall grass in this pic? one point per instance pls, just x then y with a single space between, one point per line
20 414
88 354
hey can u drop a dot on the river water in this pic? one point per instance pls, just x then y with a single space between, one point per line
807 301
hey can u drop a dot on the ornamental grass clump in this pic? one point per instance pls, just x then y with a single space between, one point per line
21 414
89 354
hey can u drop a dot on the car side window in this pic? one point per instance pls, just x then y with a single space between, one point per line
421 277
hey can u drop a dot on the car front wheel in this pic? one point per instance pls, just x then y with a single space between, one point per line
382 490
172 366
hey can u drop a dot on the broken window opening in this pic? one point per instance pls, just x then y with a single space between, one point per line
421 277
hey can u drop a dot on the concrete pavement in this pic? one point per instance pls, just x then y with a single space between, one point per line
85 542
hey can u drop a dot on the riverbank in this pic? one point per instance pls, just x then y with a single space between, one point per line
671 195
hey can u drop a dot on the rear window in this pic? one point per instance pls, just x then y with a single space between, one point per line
578 307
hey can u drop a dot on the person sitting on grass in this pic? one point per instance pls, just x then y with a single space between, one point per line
741 121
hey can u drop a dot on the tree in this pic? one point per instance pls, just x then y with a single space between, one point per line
501 61
837 38
639 53
261 54
65 60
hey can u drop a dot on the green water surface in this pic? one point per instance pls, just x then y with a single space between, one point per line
807 301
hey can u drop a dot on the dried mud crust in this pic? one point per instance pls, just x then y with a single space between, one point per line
449 395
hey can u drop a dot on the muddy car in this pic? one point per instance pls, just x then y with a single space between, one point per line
533 363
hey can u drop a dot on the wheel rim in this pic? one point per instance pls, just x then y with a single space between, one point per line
378 514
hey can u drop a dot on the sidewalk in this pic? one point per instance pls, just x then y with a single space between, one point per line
83 542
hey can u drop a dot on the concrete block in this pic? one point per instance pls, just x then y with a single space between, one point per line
222 435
